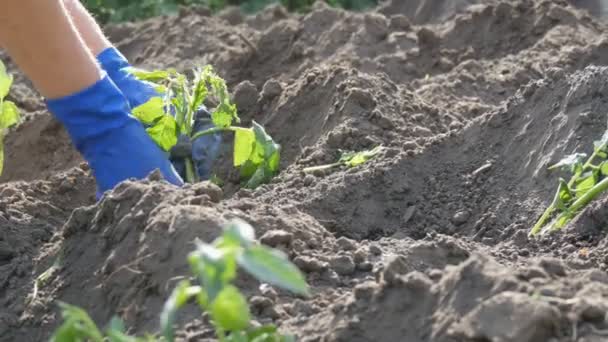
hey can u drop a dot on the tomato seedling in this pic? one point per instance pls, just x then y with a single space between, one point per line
348 159
589 180
9 113
171 117
214 267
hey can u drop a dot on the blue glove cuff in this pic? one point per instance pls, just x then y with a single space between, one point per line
112 61
136 91
91 113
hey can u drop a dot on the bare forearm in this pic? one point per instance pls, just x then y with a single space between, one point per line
88 28
40 37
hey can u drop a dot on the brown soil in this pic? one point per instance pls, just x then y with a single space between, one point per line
428 242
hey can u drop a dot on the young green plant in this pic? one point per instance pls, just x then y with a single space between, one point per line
172 116
588 181
348 159
9 113
214 267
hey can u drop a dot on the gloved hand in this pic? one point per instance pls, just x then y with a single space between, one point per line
114 143
203 150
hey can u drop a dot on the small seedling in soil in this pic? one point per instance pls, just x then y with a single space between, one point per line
171 118
589 180
215 268
347 159
9 113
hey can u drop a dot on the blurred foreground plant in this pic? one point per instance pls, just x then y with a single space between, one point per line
214 267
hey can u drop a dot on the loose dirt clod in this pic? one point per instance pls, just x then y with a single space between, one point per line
470 100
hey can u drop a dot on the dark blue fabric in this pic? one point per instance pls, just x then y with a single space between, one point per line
204 149
115 144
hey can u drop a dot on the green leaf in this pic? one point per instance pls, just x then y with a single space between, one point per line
565 194
6 80
570 163
199 93
585 183
179 297
352 159
264 157
77 326
164 132
117 324
562 220
237 336
259 177
230 310
604 168
222 116
273 267
239 232
214 267
225 114
274 162
151 111
152 76
265 140
266 333
244 144
9 115
116 336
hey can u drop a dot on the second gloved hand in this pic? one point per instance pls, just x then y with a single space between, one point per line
203 151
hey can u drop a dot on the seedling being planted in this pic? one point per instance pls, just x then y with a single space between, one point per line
9 113
347 159
214 267
170 119
589 180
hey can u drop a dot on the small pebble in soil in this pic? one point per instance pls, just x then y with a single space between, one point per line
553 266
435 274
331 277
309 264
569 249
360 255
400 22
275 238
260 303
343 265
375 250
395 267
309 180
271 89
461 217
268 292
345 244
365 266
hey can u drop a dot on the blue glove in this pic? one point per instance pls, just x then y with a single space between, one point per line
203 150
114 143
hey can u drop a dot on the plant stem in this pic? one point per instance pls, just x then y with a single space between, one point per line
221 335
584 200
586 166
191 176
546 215
321 168
212 131
589 196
